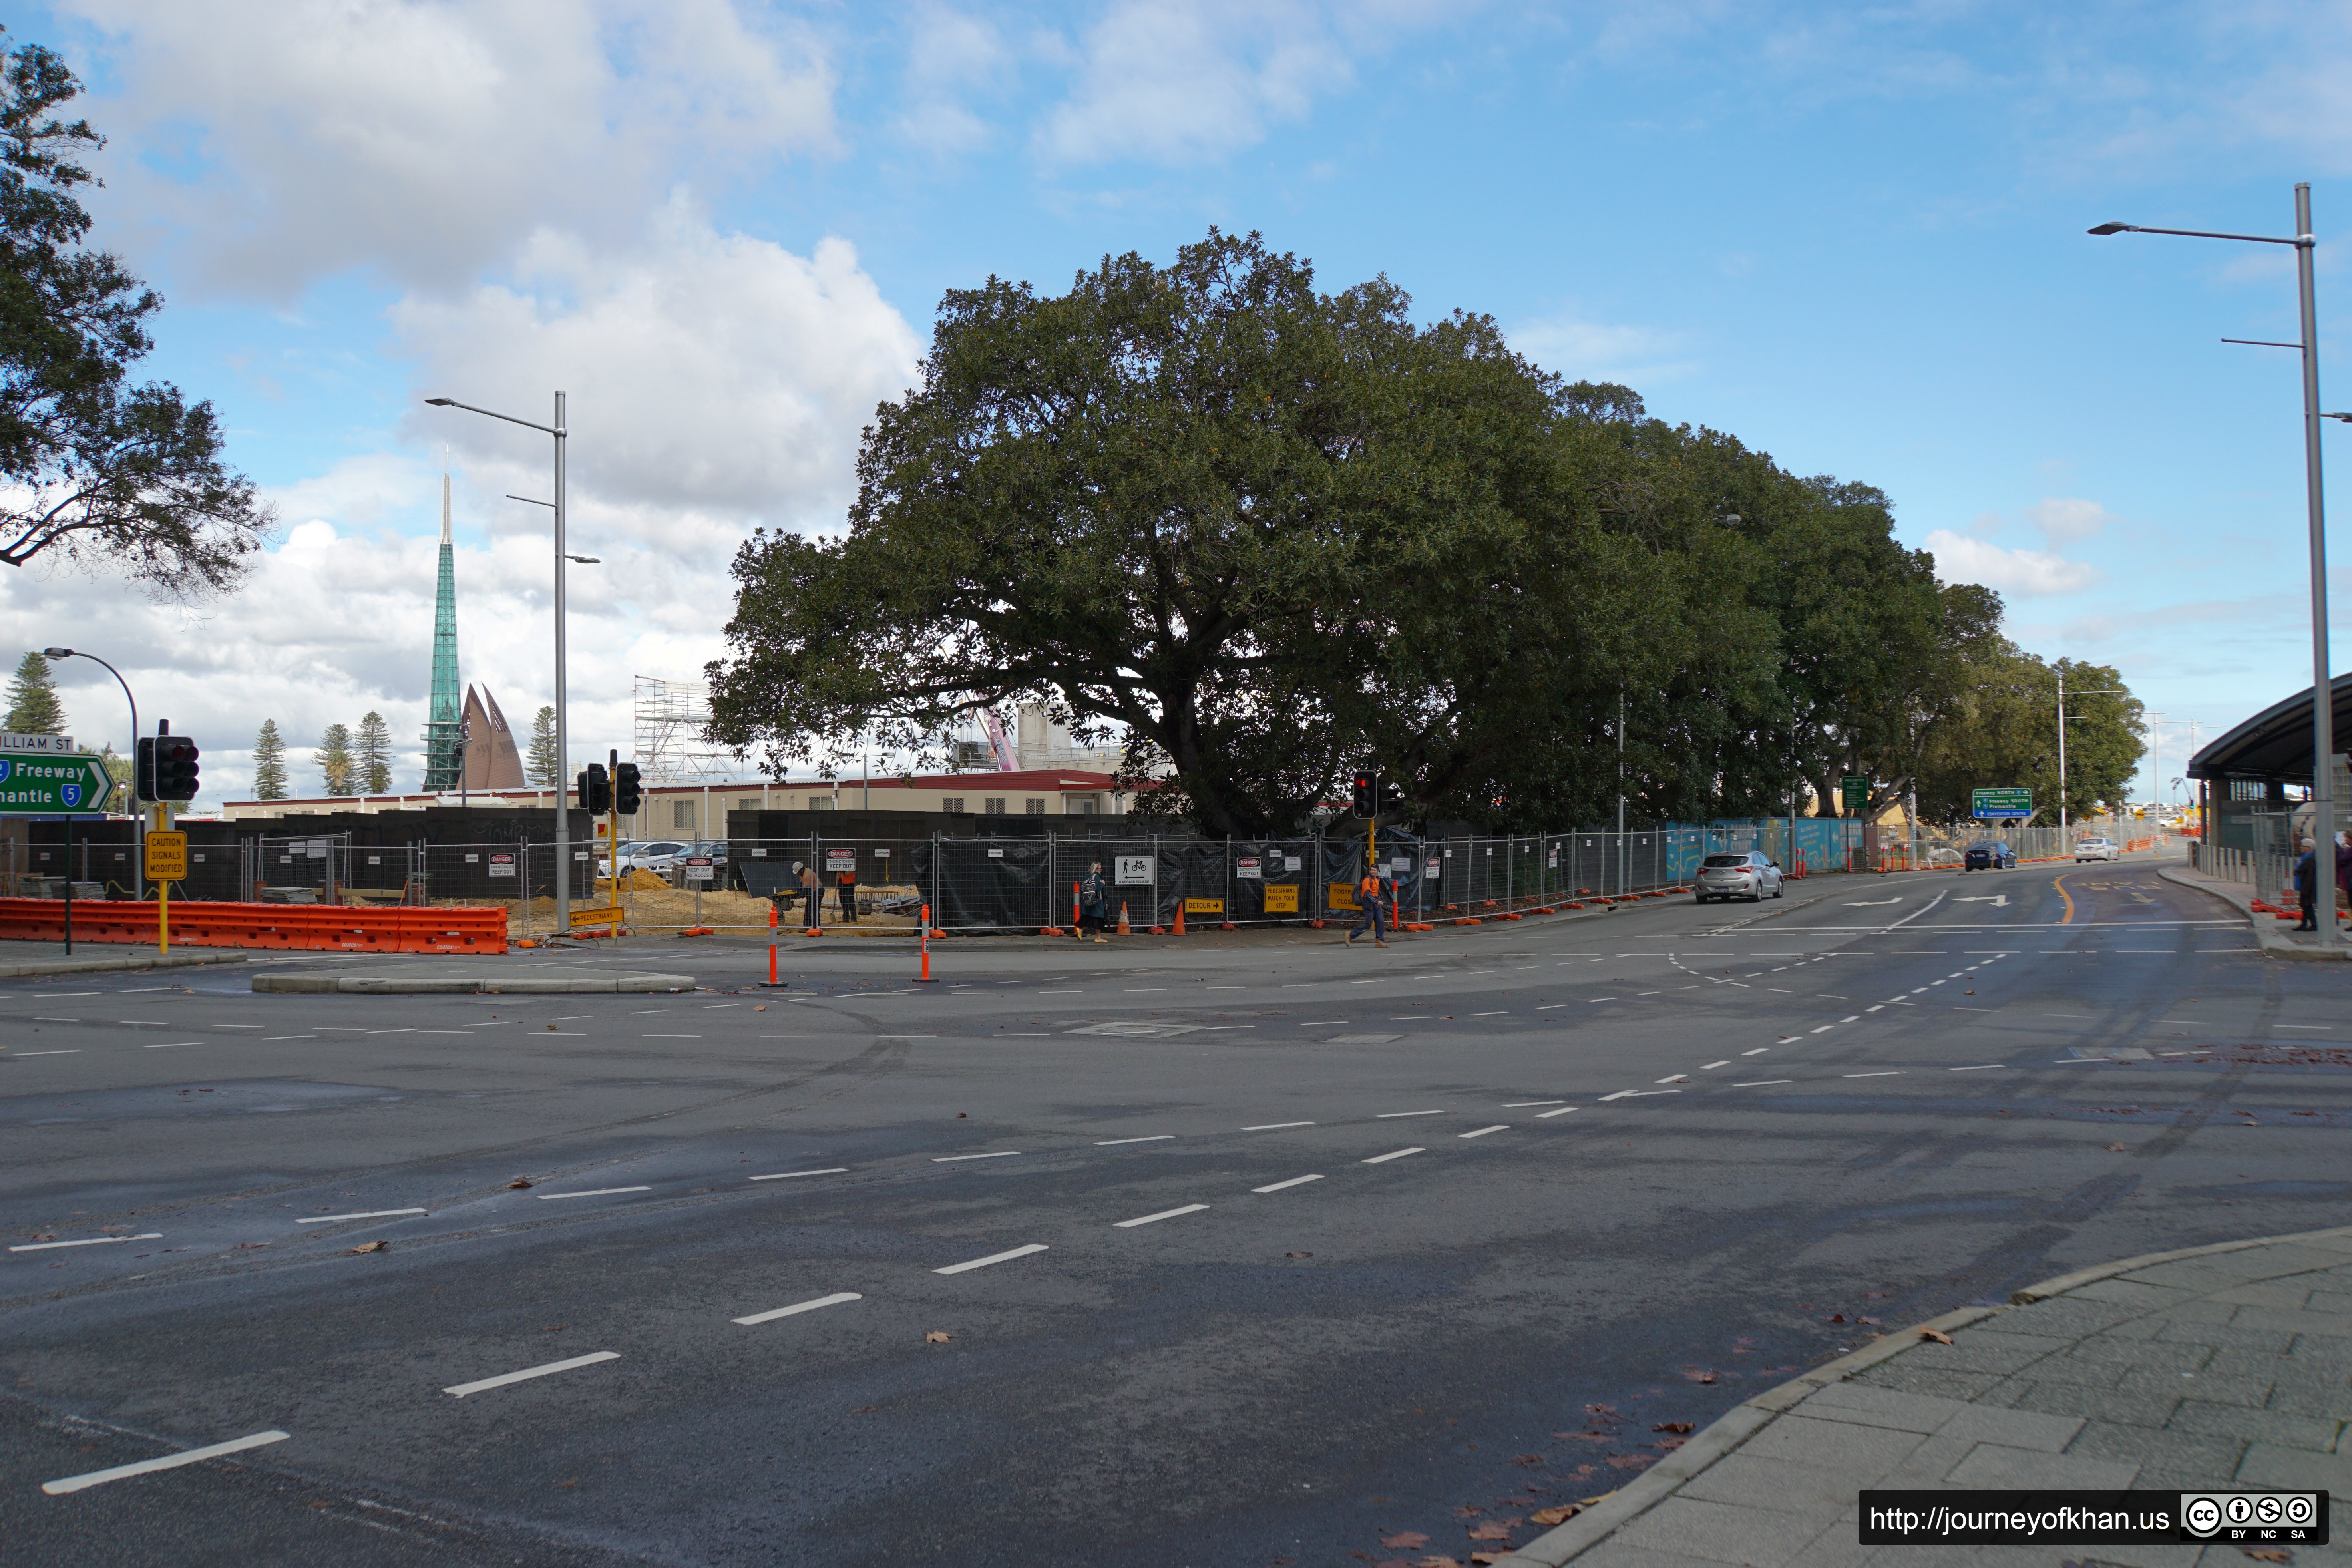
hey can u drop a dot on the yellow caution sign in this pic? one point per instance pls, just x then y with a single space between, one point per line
1204 906
167 857
1343 896
1281 899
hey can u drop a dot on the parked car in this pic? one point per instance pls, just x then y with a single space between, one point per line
2096 848
652 855
1988 855
1745 874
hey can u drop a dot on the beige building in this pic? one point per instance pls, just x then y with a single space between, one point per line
700 811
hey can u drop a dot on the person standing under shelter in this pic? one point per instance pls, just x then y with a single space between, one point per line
811 892
1367 894
845 887
2307 888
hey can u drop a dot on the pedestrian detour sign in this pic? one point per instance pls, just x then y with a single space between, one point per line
32 781
2011 803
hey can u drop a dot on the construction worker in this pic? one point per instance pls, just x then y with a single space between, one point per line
1367 894
810 893
845 887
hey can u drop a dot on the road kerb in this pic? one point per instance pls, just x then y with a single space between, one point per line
1744 1420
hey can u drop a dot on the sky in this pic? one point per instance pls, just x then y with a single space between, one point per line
1851 235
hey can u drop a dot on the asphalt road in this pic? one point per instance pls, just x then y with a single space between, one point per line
1224 1251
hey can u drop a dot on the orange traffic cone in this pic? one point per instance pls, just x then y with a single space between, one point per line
1122 918
1179 917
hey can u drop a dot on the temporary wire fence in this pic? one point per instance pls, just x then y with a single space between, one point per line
998 883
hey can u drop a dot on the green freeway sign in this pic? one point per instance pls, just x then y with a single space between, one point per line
31 782
2012 801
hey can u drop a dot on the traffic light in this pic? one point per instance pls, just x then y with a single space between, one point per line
628 795
595 789
175 771
143 770
1363 798
1391 798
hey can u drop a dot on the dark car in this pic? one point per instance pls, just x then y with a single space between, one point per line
1988 855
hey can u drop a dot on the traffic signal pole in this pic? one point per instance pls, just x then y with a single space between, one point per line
163 889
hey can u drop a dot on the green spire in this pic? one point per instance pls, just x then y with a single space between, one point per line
443 761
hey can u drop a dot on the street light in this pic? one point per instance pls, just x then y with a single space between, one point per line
562 816
139 871
71 653
2323 735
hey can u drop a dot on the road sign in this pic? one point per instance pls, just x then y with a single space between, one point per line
1854 791
49 745
2006 803
30 781
1131 870
167 857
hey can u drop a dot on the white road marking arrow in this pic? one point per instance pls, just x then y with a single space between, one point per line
1866 903
1998 900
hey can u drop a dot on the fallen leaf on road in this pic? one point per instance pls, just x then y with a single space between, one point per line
1468 1511
1585 1436
371 1246
1483 1559
1873 1323
2272 1555
1941 1339
1531 1460
1837 1317
2115 1148
552 1327
243 1245
1560 1515
1489 1532
519 1181
1631 1461
759 1007
866 1410
1405 1540
1671 1426
936 1338
1438 1562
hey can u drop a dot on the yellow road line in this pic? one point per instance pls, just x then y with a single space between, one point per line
2059 883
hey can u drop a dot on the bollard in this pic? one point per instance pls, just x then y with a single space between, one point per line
771 981
925 979
1179 917
1122 918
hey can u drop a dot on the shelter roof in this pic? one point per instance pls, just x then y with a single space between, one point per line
2275 743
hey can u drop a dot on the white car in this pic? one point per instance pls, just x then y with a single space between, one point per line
652 855
1741 874
2095 848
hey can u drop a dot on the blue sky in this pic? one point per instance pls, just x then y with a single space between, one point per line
1851 235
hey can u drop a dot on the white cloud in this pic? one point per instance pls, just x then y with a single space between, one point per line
2065 521
712 378
949 57
286 140
1584 349
1961 558
1183 81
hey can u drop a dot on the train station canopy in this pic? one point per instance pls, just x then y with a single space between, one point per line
2275 743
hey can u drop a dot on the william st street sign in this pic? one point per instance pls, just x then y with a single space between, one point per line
33 783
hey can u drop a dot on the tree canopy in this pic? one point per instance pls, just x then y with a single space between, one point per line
1266 535
98 471
34 706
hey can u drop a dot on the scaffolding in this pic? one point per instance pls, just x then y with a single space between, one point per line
670 719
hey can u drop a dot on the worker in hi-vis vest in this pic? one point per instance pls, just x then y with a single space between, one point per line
1367 894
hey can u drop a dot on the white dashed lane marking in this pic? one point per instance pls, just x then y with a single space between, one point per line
991 1259
167 1462
799 1306
463 1389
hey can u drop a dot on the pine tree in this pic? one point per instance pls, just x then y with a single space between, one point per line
269 764
372 759
540 767
333 760
33 705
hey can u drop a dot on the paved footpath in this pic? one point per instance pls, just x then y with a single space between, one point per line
2212 1367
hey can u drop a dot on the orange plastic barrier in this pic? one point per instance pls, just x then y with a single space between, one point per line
308 928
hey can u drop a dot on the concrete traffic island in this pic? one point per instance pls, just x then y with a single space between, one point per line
2216 1366
480 980
29 960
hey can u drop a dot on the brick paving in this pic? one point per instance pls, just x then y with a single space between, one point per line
2219 1368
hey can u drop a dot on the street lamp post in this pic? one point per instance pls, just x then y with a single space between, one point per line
2110 691
138 869
2323 736
562 737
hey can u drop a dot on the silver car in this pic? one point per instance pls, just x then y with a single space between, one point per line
1743 874
2096 848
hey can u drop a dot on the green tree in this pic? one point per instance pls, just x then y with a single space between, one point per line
99 472
540 765
268 763
119 768
2004 732
371 755
333 760
33 707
